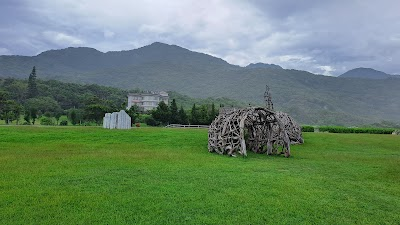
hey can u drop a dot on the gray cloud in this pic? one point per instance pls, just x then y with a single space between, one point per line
326 37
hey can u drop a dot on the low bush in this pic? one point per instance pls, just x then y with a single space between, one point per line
307 129
151 121
64 123
47 121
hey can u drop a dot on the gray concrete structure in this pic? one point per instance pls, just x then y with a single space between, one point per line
107 120
117 120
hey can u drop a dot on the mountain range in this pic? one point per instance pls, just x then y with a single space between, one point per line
367 73
309 98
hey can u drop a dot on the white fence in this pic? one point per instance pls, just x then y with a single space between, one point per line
186 126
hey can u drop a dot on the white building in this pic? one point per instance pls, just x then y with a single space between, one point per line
147 101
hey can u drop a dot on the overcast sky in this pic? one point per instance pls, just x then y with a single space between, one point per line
324 37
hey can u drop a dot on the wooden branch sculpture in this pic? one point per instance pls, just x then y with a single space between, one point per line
260 127
256 128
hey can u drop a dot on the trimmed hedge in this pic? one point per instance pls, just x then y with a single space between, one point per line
334 129
307 129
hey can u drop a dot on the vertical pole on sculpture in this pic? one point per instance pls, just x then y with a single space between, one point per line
268 98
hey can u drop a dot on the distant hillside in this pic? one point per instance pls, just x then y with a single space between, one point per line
367 73
263 65
70 95
309 98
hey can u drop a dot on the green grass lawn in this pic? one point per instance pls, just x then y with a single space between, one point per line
90 175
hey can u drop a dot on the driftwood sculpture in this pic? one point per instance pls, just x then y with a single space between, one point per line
259 129
249 128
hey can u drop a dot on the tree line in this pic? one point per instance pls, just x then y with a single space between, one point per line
164 114
26 101
34 98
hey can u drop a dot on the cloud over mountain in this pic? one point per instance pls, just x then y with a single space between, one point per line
326 37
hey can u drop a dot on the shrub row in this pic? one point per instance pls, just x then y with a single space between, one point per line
337 129
334 129
307 129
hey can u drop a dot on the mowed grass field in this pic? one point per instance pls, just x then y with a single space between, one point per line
90 175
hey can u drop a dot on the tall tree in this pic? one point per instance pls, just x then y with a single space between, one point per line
174 112
73 116
4 96
213 114
161 113
27 117
203 115
194 116
33 115
57 114
183 119
18 110
32 87
133 112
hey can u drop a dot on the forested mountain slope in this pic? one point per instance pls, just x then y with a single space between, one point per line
309 98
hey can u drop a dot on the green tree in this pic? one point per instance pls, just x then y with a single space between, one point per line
151 121
47 121
58 114
27 117
17 89
213 114
96 108
4 96
74 116
194 115
183 118
162 113
174 112
10 111
133 112
18 110
32 86
203 115
33 114
95 112
43 105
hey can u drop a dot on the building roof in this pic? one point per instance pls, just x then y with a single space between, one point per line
150 93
